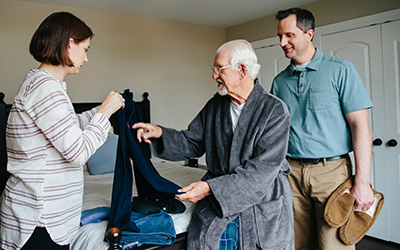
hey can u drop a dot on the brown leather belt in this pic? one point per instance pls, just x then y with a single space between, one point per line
317 160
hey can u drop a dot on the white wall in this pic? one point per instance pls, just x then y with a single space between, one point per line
170 60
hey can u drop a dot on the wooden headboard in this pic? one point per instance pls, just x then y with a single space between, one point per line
144 107
4 110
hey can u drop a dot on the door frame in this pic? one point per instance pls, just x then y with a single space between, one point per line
375 19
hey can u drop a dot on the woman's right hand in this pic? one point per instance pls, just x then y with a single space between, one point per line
113 102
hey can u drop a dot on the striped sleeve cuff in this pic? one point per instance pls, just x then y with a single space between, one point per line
102 121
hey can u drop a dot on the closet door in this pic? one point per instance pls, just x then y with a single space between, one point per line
391 74
272 61
363 47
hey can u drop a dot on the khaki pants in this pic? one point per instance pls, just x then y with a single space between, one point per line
311 187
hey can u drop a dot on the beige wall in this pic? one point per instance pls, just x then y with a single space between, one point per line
325 12
170 60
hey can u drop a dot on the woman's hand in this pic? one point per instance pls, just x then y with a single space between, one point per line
113 102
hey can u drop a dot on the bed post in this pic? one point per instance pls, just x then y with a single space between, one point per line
3 151
145 112
146 105
114 236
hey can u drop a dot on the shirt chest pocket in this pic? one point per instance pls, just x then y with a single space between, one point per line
320 99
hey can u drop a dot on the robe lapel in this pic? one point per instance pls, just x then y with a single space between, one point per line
225 140
243 128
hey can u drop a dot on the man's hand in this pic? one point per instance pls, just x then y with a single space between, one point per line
146 131
362 144
194 192
364 196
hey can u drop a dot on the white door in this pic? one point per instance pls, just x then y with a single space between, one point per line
272 61
363 47
391 75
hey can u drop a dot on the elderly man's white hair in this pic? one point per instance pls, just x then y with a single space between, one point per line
241 51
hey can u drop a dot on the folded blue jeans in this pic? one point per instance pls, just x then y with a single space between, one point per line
95 215
155 229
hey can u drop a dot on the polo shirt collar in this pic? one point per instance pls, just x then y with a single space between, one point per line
313 65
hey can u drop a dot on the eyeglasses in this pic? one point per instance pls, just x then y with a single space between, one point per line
218 69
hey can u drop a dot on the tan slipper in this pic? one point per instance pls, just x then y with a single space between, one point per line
360 222
340 205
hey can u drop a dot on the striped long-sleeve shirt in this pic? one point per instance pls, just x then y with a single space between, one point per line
47 144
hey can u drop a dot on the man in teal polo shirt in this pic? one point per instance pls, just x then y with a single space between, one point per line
328 105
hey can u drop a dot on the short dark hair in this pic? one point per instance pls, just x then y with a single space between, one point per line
49 43
305 19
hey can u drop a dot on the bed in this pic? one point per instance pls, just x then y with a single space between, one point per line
98 189
91 235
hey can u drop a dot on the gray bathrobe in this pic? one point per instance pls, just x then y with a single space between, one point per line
246 171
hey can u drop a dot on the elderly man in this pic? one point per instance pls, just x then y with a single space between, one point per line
243 130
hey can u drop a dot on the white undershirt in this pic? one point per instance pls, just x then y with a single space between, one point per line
301 67
236 109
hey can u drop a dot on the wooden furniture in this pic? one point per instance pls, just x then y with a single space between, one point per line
4 110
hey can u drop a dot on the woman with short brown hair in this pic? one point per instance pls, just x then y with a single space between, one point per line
48 143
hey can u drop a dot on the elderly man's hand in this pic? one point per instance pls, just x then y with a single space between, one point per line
145 131
194 192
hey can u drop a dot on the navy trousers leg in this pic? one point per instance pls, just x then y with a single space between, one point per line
149 183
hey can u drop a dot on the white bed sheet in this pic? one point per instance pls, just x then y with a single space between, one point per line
97 192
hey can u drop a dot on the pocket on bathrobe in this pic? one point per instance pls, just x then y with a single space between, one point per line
274 223
205 227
